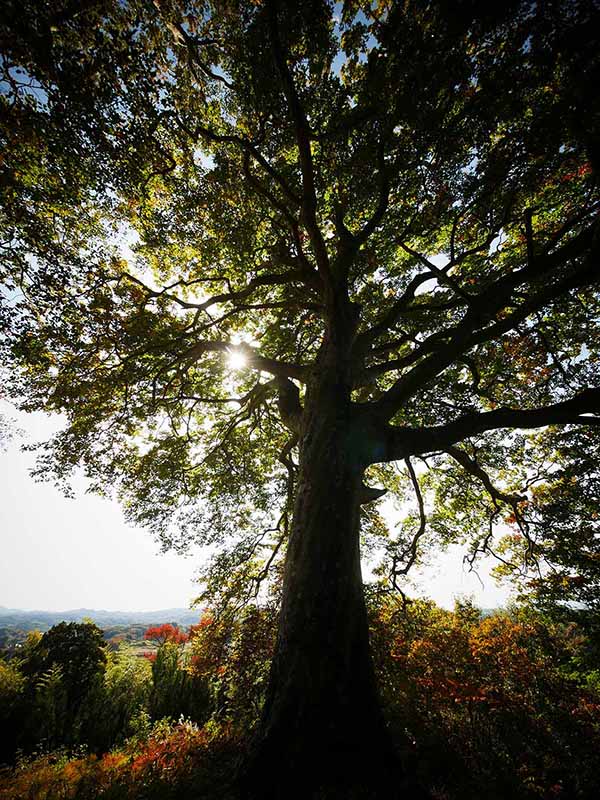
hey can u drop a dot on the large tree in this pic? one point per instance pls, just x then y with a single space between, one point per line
252 250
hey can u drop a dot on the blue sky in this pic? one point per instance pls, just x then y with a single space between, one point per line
60 553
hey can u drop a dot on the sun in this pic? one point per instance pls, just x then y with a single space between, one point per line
237 359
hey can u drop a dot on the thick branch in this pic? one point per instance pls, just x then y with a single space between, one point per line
370 493
290 407
583 409
254 360
302 131
456 341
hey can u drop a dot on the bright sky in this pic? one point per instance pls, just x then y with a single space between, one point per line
60 553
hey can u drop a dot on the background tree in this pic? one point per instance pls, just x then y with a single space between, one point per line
176 691
62 671
108 715
255 250
77 650
12 685
230 656
166 633
559 561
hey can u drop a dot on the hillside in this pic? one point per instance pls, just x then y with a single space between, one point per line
15 623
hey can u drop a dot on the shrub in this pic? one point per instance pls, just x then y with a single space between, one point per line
490 704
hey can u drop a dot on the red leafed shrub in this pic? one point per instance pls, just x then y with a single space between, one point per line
206 619
166 633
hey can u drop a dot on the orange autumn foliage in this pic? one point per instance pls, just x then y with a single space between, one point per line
489 701
174 761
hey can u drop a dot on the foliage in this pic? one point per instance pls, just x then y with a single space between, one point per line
52 715
186 185
77 650
231 654
175 693
500 706
12 685
506 705
61 669
175 761
166 633
108 714
563 528
254 251
43 706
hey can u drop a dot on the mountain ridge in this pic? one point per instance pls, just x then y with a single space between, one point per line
42 620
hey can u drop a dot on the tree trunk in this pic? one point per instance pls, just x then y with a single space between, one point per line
322 725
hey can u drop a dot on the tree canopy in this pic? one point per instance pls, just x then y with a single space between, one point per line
188 190
77 649
252 250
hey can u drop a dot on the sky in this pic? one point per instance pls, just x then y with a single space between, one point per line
59 553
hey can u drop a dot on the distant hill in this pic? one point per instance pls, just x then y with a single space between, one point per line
42 620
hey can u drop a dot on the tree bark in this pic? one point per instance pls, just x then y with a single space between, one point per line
322 726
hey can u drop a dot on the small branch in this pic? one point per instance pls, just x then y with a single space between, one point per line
383 200
201 131
262 190
440 274
476 376
392 316
472 467
285 457
412 551
529 236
